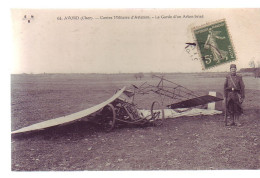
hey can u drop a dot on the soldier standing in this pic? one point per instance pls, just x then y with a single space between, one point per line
234 92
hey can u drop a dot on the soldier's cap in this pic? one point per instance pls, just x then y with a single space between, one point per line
233 66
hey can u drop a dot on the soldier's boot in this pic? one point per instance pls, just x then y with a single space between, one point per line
233 120
237 121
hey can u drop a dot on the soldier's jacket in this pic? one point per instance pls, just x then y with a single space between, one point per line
238 87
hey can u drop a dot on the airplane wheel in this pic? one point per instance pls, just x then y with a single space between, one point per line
109 115
157 113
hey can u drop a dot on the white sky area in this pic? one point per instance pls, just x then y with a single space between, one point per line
128 46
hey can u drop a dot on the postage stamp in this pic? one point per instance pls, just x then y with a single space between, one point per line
214 44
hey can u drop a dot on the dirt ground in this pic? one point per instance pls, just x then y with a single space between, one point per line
185 143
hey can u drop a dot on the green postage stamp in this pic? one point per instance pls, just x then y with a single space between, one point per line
214 44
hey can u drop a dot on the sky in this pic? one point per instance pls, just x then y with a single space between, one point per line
49 45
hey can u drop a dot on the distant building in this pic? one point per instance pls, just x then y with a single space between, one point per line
255 71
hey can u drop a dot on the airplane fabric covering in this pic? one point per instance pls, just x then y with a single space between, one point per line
195 102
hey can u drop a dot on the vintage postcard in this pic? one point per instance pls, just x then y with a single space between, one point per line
135 89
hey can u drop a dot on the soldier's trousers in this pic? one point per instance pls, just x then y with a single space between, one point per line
234 107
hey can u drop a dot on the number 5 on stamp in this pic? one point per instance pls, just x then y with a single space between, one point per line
214 44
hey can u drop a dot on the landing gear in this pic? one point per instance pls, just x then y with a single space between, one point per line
157 114
108 117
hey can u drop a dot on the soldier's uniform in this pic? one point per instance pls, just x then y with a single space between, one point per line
233 89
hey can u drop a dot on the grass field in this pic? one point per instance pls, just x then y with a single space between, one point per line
186 143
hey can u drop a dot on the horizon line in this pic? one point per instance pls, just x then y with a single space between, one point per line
45 73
